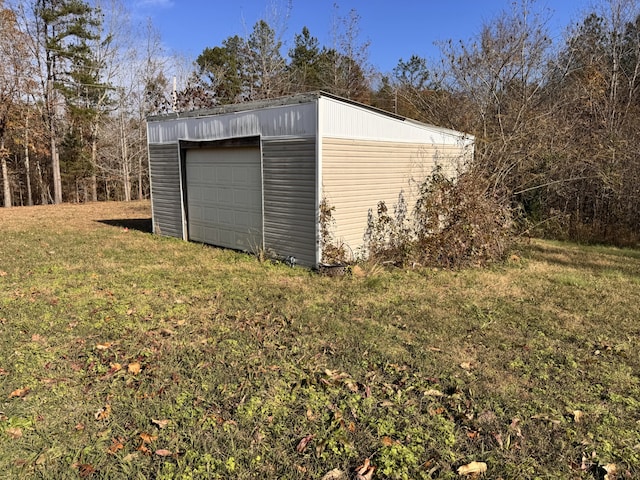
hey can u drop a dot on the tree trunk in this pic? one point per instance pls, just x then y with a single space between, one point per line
43 188
94 163
27 167
55 167
126 168
5 178
140 190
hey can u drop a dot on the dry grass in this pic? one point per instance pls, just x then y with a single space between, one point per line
421 371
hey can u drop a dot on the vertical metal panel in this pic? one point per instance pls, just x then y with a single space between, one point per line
359 174
166 198
289 183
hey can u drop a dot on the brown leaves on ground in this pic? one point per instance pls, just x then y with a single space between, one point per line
104 413
117 444
473 468
19 392
365 471
114 367
14 433
85 470
134 368
302 445
163 452
148 438
335 474
160 423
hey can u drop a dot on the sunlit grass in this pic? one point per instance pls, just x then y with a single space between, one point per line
127 355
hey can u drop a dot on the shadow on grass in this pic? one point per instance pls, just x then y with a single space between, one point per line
141 224
598 260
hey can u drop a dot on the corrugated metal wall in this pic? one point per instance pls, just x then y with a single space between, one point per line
289 179
278 121
164 172
357 174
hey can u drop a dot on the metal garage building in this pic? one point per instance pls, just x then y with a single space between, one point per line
252 175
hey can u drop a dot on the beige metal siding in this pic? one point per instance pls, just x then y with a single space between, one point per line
166 197
290 197
357 174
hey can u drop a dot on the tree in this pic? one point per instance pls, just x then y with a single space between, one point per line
60 31
14 74
500 74
596 83
220 71
264 63
305 63
345 66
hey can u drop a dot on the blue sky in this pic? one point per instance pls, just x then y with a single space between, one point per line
395 28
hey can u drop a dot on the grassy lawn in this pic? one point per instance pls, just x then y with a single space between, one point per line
127 355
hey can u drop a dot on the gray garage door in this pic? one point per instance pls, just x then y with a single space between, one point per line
224 197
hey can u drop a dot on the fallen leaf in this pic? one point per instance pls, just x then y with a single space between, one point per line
37 338
472 434
144 449
465 365
472 468
14 432
436 411
148 438
578 415
85 470
164 452
79 427
114 367
365 471
302 444
3 372
387 441
134 368
335 474
130 311
104 346
116 445
19 392
160 423
433 393
103 413
611 470
3 273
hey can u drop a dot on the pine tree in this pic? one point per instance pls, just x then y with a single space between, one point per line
63 30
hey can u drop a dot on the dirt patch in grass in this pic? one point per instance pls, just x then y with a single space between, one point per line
129 355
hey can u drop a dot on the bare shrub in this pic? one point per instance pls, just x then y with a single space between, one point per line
462 223
456 223
333 252
389 238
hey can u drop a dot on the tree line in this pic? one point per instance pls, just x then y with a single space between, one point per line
555 119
